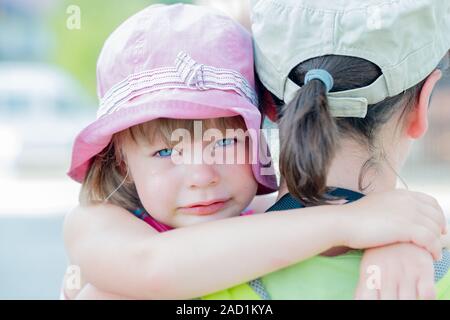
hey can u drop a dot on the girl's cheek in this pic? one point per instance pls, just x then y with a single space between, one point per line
158 197
146 174
155 183
251 183
158 165
240 177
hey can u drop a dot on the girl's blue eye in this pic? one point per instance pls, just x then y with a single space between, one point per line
226 142
164 153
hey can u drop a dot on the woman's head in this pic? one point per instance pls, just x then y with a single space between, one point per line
310 136
177 192
382 56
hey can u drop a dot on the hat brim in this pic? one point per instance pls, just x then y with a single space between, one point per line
176 104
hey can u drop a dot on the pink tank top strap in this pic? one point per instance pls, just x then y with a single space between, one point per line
158 226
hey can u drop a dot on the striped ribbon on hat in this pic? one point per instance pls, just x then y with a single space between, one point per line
187 74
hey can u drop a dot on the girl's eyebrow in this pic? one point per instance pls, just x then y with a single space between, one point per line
155 145
146 145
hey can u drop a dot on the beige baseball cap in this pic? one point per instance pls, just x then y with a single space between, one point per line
406 39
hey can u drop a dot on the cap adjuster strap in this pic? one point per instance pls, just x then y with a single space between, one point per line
349 103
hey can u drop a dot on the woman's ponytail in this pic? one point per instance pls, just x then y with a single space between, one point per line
308 135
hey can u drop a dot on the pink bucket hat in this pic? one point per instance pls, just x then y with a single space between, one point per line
180 62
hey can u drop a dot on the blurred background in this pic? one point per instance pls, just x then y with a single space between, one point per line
47 94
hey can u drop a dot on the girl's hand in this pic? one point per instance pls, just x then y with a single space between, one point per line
395 216
399 271
445 240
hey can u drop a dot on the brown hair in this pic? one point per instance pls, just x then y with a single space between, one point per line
310 136
108 169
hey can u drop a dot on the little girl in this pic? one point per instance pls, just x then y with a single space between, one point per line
158 72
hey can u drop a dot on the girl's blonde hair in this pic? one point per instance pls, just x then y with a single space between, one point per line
108 177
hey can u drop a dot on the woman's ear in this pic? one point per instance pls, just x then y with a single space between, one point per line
417 124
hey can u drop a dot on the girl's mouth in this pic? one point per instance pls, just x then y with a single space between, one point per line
204 208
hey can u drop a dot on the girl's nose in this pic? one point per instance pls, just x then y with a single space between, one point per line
201 175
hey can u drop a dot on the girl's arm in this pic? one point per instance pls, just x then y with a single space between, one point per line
89 292
121 254
402 270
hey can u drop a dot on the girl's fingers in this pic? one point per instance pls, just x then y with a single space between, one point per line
366 290
426 239
388 289
425 287
365 293
437 217
424 198
430 224
407 289
445 241
437 250
433 210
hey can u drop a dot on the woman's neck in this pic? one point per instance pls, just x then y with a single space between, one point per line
345 171
346 167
